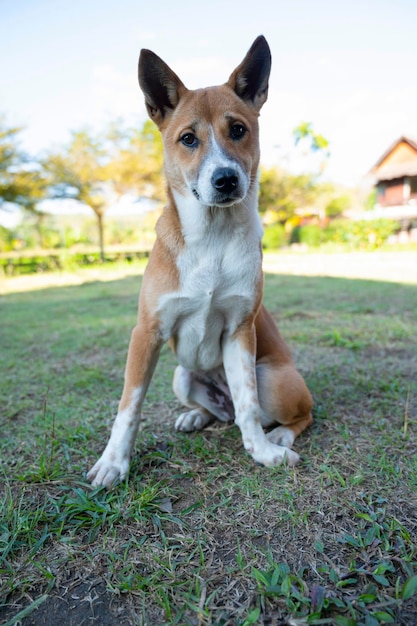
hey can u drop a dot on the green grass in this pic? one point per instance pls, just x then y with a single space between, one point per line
199 534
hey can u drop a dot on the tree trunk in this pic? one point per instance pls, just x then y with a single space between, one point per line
101 235
39 219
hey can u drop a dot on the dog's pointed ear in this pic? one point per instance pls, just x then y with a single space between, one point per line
161 86
250 78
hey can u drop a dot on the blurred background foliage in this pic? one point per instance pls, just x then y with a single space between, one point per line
98 170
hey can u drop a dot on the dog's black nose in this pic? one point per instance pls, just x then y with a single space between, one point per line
225 180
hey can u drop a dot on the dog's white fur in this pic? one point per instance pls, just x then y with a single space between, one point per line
202 289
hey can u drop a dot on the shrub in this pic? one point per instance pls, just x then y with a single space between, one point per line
274 237
338 205
353 234
361 233
311 235
6 239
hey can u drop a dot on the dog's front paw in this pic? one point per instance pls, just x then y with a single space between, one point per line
108 470
197 419
272 455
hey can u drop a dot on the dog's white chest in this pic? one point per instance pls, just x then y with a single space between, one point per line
217 291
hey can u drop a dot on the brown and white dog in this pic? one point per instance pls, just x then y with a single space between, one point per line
202 288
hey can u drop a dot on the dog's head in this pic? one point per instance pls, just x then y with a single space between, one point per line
211 136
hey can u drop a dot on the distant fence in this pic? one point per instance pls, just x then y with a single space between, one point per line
30 262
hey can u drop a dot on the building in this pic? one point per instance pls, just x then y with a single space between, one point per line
395 175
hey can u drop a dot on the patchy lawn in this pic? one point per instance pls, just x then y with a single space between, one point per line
200 534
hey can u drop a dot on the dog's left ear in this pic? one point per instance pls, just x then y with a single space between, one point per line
250 78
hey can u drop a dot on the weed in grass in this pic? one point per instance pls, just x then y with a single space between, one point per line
335 338
314 603
20 526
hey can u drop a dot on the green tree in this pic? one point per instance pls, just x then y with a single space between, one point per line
22 180
302 203
281 194
316 143
97 170
305 131
286 198
337 205
11 159
79 172
137 161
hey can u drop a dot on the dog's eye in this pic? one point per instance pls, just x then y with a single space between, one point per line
189 139
237 131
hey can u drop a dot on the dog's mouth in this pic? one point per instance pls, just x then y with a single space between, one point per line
219 200
226 202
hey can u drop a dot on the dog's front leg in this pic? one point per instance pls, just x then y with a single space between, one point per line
113 464
239 360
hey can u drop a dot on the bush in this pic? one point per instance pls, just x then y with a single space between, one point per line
274 237
6 239
361 233
338 205
311 235
353 234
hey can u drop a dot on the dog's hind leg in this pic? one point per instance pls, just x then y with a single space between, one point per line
206 394
290 403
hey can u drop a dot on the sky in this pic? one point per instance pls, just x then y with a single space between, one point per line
349 68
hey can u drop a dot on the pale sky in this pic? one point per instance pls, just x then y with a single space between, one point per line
350 68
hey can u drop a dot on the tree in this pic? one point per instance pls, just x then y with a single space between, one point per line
79 172
22 181
138 157
11 159
287 198
281 194
98 169
305 131
297 200
316 143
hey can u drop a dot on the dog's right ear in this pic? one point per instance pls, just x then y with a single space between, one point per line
161 86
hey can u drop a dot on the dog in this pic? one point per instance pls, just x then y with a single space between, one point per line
202 288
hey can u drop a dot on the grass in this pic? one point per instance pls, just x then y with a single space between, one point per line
199 534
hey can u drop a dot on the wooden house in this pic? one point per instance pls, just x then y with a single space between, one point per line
395 175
